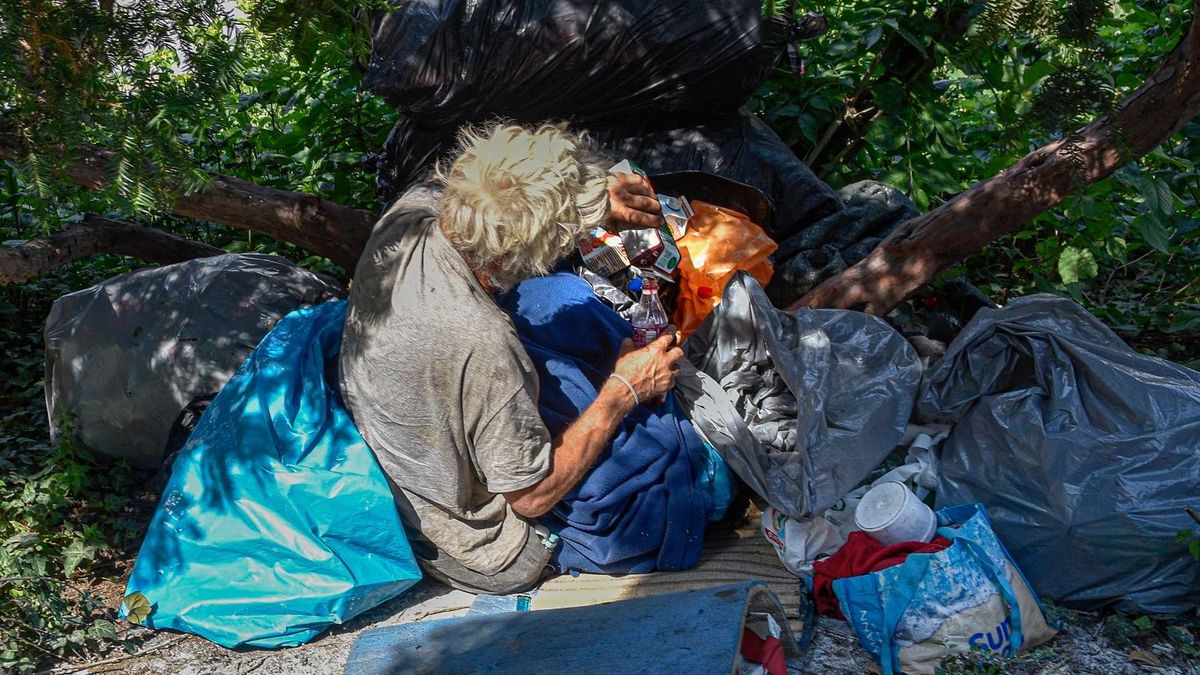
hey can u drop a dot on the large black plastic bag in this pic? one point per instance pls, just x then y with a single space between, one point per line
825 395
1085 453
828 246
737 146
126 356
446 62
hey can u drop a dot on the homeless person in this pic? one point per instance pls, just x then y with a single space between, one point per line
433 370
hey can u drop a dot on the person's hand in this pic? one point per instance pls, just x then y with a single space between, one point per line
634 204
651 370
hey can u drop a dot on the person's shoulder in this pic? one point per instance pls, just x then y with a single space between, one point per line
423 200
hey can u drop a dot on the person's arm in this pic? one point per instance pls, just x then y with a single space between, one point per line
651 373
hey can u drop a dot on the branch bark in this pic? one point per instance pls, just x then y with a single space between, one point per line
923 247
96 235
317 225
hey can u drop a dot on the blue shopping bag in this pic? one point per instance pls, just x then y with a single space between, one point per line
277 521
969 597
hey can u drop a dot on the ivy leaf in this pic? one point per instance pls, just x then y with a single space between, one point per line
102 630
76 553
1075 264
136 607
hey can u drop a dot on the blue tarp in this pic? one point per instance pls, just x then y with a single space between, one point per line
646 504
277 521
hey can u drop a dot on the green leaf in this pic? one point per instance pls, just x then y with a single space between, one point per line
1158 197
1036 71
103 630
76 553
1144 623
890 96
873 36
344 157
1185 322
912 40
1075 264
1153 232
136 607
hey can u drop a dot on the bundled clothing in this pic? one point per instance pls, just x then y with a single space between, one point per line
645 505
861 555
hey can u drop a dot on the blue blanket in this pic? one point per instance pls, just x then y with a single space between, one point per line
645 506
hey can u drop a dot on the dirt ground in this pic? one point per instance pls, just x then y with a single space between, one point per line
1080 647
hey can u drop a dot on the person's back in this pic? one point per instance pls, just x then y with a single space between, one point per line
422 337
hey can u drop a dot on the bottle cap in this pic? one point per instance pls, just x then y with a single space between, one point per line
635 285
704 292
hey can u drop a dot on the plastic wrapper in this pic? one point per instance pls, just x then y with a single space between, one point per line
447 62
718 243
1084 452
813 399
126 356
739 147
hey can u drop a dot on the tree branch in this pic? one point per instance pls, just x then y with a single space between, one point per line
96 235
923 247
320 226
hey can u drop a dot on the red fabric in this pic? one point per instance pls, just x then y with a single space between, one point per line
860 555
767 652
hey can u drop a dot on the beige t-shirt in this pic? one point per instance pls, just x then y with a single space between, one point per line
441 388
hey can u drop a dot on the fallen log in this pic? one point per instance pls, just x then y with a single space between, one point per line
317 225
96 235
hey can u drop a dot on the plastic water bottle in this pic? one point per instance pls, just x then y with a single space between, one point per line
649 318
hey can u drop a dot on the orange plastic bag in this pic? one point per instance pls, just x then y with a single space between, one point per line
718 243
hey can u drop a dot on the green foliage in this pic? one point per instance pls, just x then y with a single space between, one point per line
66 518
284 115
1145 631
168 85
934 97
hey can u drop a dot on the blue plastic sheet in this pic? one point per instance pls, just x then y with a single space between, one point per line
277 521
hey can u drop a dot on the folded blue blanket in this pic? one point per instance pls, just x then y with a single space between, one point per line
644 506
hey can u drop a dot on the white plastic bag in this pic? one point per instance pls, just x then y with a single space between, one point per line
800 542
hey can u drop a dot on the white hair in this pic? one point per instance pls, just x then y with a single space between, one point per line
516 199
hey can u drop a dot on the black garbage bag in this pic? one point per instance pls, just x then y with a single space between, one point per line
738 146
1085 453
126 357
446 62
806 403
828 246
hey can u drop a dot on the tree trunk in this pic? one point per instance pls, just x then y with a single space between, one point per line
322 227
96 235
923 247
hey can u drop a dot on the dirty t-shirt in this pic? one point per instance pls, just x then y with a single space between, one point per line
441 388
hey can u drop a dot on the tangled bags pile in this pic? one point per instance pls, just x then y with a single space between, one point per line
659 83
813 399
1084 452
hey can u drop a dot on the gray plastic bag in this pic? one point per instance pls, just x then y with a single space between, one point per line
821 396
124 357
1084 452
